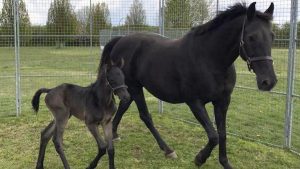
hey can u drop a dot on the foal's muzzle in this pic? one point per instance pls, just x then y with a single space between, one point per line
122 93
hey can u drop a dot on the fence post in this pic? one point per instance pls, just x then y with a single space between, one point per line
161 32
291 74
17 55
217 7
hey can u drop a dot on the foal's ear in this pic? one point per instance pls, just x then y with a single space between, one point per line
104 68
251 11
270 10
121 63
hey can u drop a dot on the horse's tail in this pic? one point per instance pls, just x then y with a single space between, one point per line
35 102
105 58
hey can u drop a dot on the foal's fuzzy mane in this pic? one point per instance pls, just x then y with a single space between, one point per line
232 12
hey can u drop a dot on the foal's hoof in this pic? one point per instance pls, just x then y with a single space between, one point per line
172 155
116 139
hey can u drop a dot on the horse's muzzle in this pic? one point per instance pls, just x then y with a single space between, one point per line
266 84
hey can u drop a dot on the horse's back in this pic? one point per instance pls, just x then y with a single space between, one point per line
166 68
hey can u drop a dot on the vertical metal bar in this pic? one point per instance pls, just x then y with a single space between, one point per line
161 32
91 38
291 74
217 8
17 56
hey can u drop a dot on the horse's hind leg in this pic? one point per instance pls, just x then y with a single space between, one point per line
46 135
220 109
61 119
138 97
110 147
93 128
201 115
123 106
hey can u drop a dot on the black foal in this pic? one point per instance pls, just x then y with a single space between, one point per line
94 104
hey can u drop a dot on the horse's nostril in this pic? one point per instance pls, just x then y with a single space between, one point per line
266 82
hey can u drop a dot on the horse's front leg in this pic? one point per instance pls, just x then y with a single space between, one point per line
201 115
220 110
110 147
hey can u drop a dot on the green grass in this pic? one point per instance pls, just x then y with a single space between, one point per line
252 114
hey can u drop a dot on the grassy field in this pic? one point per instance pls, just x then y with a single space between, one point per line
252 114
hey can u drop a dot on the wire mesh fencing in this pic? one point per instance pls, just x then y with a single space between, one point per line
60 41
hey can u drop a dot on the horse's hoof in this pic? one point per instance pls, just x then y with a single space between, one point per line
116 139
227 166
172 155
199 161
39 167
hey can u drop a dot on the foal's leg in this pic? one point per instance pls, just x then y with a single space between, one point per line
46 135
201 115
93 128
61 119
110 147
221 108
123 106
138 97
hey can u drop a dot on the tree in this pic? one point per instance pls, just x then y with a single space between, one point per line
61 20
137 15
177 14
7 21
83 20
198 11
186 13
100 18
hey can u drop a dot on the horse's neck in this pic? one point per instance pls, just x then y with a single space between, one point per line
223 42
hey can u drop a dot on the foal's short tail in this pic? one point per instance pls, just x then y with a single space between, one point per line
35 102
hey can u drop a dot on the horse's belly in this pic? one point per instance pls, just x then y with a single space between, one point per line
167 97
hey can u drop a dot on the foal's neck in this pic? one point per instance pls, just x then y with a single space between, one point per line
102 90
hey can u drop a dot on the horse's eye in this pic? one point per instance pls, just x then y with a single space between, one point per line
251 38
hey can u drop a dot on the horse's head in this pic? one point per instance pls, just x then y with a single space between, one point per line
255 46
116 80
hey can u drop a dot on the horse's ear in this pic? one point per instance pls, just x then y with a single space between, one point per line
251 11
270 10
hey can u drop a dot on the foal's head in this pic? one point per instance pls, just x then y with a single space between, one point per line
255 46
116 81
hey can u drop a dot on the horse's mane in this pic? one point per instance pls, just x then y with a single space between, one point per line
105 57
232 12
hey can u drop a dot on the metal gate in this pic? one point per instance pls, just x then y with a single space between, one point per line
39 47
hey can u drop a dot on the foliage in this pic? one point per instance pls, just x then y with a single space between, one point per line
177 14
137 15
7 22
61 20
100 17
198 12
83 20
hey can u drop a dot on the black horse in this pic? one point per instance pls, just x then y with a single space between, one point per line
196 69
93 104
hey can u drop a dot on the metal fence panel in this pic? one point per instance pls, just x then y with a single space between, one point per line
66 49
